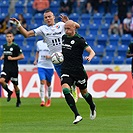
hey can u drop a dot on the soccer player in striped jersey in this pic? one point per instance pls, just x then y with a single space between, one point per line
45 71
52 33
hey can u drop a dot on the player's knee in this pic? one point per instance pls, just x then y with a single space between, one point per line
66 91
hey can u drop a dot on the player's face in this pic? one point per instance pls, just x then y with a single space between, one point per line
9 38
69 30
49 18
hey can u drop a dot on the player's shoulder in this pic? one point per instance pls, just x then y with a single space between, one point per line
60 23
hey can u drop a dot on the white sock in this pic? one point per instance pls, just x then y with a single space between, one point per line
42 92
49 92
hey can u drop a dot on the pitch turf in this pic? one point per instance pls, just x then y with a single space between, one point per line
113 116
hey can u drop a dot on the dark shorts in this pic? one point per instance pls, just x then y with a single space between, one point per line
10 75
79 78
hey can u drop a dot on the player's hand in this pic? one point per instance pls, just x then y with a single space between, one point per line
35 62
2 57
10 58
64 18
15 22
88 58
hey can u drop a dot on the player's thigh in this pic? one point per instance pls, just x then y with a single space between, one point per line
5 75
49 73
41 73
67 79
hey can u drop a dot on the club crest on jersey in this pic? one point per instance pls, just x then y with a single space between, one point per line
11 49
72 42
57 26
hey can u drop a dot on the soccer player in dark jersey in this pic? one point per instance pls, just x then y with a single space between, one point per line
11 54
73 70
130 54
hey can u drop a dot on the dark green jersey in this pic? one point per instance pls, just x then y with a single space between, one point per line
72 49
13 50
130 48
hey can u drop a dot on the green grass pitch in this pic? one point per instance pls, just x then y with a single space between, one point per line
113 116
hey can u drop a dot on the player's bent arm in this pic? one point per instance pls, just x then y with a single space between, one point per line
20 57
91 53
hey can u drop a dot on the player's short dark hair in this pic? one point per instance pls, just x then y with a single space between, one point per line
48 10
9 32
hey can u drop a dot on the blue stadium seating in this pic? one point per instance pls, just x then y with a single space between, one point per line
97 18
31 41
19 7
95 60
38 18
122 50
93 29
54 7
102 39
28 18
19 39
110 50
2 39
90 39
99 50
126 39
104 28
108 18
128 61
85 18
27 51
82 30
85 53
107 60
114 39
4 5
74 16
119 60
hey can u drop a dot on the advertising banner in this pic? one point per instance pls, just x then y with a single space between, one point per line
105 84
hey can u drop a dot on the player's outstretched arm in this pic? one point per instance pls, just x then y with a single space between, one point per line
22 30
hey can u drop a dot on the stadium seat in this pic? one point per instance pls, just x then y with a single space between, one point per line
19 39
2 16
95 60
31 41
126 39
90 39
97 18
128 60
99 50
107 60
110 50
102 39
24 61
27 51
2 39
93 29
82 30
28 18
19 7
119 60
29 7
33 26
74 16
104 28
108 18
85 18
54 7
114 40
4 5
122 50
38 18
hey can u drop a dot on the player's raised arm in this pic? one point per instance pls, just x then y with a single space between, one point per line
64 19
22 30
